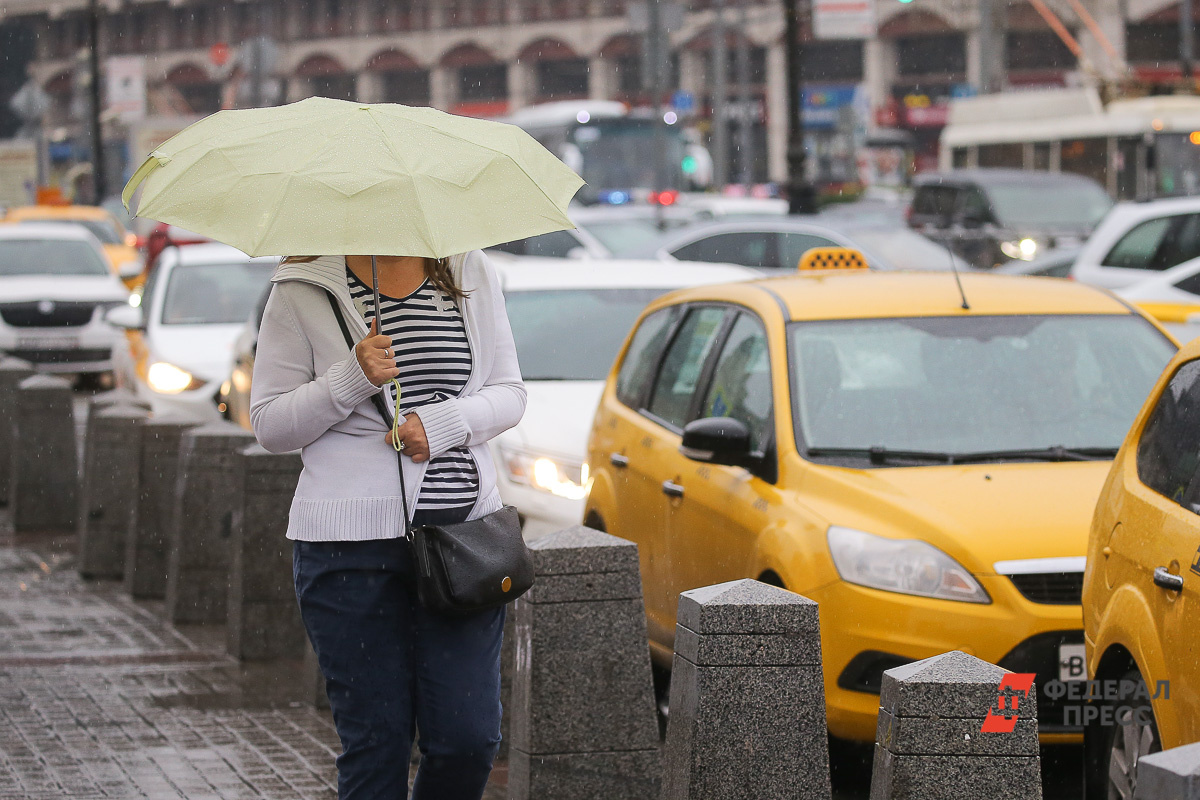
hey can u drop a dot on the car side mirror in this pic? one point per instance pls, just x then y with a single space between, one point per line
125 316
717 440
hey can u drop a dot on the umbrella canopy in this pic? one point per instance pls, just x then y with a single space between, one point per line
326 176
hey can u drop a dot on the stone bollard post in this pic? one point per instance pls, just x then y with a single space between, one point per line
263 620
929 745
747 696
147 545
583 722
200 552
12 372
108 511
1169 775
91 412
44 487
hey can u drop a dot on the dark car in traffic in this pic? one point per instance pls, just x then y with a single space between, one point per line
993 216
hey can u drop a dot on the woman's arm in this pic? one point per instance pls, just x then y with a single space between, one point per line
498 405
289 406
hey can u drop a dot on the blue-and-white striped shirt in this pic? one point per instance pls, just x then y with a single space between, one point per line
429 341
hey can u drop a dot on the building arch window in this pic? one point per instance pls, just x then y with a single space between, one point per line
559 72
326 77
401 78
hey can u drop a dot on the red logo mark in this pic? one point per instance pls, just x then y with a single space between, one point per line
1003 717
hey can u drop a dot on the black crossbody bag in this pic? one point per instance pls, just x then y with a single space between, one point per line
462 567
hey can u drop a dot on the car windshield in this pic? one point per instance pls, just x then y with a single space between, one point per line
904 249
50 257
101 229
614 152
970 385
573 334
1035 205
214 294
623 237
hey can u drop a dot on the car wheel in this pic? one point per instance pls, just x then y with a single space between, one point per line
1113 775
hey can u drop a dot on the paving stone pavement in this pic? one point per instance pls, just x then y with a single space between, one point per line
99 698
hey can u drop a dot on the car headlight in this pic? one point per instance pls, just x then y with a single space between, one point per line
169 379
1021 249
907 566
551 474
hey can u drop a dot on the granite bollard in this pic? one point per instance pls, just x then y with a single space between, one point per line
747 696
929 744
200 552
1169 775
148 543
583 720
12 372
263 620
91 412
44 487
108 511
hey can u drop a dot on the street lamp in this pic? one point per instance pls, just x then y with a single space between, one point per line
802 197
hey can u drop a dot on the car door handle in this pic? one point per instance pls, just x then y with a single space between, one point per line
672 489
1168 580
618 460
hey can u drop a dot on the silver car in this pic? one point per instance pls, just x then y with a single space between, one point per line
777 243
55 288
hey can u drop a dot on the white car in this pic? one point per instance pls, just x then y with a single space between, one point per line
1172 296
569 318
1136 240
55 288
194 306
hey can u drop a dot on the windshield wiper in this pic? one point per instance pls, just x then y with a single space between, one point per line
880 455
1055 453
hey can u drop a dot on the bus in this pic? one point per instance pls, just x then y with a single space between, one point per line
1136 148
611 148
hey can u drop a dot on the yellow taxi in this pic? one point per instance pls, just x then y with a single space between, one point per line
120 245
922 462
1141 590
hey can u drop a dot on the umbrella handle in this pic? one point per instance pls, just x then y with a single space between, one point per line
379 329
375 292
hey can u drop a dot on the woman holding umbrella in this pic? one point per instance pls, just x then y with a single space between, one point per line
420 192
389 662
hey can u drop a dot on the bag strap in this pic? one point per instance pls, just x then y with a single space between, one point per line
380 406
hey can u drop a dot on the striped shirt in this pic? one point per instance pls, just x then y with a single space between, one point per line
429 341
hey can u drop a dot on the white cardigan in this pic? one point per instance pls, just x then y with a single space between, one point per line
309 393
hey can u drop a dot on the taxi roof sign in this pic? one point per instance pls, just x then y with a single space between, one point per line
828 259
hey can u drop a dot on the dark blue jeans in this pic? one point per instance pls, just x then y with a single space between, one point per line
391 667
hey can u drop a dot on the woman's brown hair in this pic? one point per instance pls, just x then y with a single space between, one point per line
437 272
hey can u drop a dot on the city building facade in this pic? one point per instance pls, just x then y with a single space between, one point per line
491 57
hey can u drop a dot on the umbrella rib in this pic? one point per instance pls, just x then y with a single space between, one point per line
275 218
520 166
415 184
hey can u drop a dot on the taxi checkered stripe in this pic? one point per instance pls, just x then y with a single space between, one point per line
832 258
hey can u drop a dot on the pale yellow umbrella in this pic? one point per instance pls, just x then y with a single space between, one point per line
326 176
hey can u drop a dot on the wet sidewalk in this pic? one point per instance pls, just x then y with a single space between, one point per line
100 699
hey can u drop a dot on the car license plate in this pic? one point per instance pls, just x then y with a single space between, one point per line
1071 664
48 342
